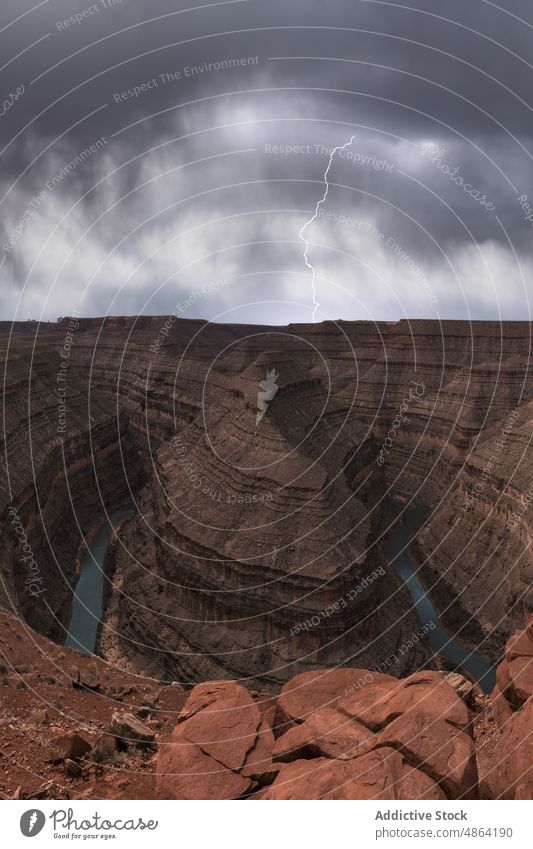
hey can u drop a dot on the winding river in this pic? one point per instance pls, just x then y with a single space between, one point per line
473 664
88 594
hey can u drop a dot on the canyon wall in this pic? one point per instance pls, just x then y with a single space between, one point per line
258 549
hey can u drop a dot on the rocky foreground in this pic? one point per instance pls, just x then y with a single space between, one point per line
72 727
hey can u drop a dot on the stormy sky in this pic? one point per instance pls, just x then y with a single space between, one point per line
169 157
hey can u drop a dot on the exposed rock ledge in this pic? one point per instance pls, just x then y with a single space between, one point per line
75 728
353 734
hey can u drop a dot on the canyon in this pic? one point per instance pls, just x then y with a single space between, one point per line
244 534
257 551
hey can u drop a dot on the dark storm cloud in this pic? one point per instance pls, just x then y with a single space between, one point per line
411 57
456 76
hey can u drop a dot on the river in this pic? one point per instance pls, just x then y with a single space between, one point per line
88 594
473 664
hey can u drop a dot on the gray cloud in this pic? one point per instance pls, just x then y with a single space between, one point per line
185 188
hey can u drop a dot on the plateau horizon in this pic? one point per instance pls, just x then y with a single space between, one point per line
183 306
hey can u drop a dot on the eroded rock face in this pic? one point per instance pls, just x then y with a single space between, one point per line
442 751
511 776
421 693
280 515
381 774
514 678
325 733
310 691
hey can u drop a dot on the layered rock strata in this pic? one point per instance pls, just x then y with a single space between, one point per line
255 545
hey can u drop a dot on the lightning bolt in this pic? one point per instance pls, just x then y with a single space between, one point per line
33 820
335 150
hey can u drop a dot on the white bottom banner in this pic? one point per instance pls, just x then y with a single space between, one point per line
264 825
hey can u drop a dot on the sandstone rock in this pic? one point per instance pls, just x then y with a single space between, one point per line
462 686
47 790
69 746
521 675
524 792
381 774
438 749
88 676
184 771
512 774
520 644
130 730
325 733
501 707
423 692
223 720
219 746
258 764
309 691
105 748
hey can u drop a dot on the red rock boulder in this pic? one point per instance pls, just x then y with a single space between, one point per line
511 776
219 746
309 691
439 749
326 733
69 746
514 676
381 774
425 693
